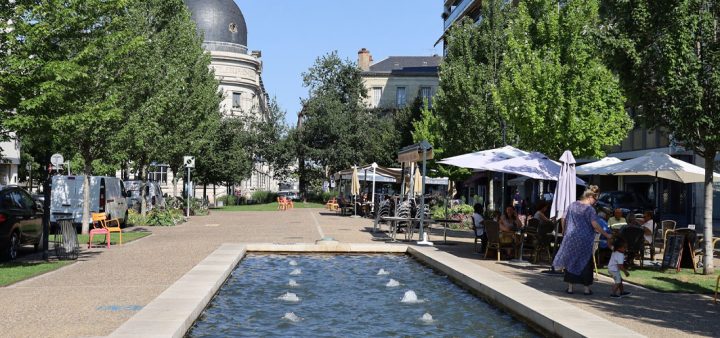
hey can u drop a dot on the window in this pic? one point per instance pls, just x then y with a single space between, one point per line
426 94
236 100
159 174
377 94
401 99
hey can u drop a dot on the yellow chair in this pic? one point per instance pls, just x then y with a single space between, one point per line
107 223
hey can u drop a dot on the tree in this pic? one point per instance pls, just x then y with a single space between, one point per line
271 141
464 116
556 94
337 129
668 55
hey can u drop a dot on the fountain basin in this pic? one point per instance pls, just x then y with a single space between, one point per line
174 311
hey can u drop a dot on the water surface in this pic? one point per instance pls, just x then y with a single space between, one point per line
344 296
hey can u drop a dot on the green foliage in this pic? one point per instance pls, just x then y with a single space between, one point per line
337 130
555 92
667 54
465 117
166 217
228 200
264 196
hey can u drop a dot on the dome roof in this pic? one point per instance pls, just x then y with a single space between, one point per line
222 24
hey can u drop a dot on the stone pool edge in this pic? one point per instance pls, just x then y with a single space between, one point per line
175 310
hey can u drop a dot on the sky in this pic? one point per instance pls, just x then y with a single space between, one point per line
293 33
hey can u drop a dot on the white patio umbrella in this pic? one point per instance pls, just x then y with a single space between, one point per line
589 168
535 165
566 189
659 165
479 159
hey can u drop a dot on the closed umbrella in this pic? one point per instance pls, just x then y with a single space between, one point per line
355 187
417 182
565 190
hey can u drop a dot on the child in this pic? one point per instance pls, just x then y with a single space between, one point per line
615 266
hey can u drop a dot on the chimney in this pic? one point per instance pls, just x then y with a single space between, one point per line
364 59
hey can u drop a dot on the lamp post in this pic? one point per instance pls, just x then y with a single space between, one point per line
374 168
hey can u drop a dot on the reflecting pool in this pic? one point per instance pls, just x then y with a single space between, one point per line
347 296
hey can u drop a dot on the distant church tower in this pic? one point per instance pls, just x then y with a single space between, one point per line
223 27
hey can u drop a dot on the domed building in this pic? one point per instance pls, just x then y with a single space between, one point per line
225 38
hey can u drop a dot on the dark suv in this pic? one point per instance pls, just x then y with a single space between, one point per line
20 222
625 200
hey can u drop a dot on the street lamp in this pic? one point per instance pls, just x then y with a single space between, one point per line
374 168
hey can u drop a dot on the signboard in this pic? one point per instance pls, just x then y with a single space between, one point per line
189 161
673 251
57 160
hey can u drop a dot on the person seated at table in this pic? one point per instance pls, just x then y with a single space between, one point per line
509 224
542 209
478 226
648 226
509 221
617 218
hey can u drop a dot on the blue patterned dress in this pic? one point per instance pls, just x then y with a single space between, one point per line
575 252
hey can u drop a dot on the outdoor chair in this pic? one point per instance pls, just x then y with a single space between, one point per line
404 211
475 233
542 240
289 203
529 240
383 210
634 237
100 228
426 224
667 227
281 203
492 229
331 204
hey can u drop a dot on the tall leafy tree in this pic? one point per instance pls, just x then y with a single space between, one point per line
338 130
668 55
556 93
464 116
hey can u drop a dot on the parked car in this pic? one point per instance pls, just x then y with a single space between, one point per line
153 195
20 222
107 194
625 200
293 195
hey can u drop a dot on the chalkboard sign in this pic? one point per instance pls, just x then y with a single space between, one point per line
673 251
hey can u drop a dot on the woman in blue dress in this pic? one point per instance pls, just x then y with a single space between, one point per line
575 254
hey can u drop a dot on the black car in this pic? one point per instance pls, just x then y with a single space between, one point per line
20 222
625 200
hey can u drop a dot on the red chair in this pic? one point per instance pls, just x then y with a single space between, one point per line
99 229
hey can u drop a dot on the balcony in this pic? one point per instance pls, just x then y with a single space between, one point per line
458 12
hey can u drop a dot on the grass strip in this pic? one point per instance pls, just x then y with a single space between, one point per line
14 272
685 281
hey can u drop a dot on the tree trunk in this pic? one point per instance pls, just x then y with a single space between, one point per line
143 191
491 193
175 182
708 267
86 197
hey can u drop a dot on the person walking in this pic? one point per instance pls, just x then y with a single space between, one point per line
575 254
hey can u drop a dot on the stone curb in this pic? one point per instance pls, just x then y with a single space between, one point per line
173 312
544 312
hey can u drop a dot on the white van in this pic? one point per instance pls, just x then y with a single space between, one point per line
107 194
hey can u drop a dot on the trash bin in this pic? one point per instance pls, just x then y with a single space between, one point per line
66 241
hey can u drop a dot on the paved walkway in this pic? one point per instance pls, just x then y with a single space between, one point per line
106 287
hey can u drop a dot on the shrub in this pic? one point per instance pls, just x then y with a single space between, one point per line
262 196
227 200
170 217
462 212
135 218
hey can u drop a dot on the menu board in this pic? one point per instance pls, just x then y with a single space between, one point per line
673 251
